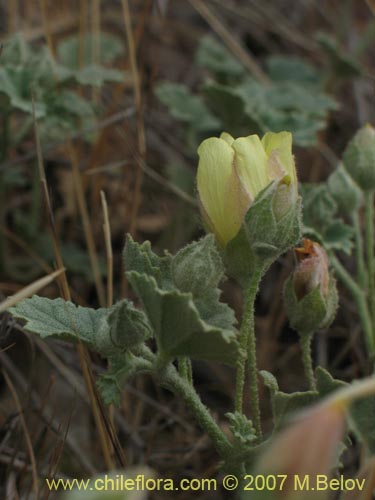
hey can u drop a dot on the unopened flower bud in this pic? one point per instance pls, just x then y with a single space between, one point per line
198 268
344 190
359 158
310 293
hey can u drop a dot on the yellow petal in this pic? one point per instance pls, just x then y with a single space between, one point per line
280 144
251 163
227 138
222 196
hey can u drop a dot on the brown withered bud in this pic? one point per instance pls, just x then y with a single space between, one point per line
312 270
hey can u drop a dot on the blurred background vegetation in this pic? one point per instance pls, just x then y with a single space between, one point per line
123 93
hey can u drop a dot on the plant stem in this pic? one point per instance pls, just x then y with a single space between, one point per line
171 380
183 389
305 343
361 272
247 352
369 219
360 300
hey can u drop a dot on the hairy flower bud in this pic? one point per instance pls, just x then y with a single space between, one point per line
310 293
359 158
344 190
232 172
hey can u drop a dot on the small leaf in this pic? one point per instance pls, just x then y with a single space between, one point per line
69 50
212 55
242 428
59 318
141 258
185 106
292 69
110 384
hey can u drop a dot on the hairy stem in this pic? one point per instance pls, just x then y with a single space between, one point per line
183 389
361 272
305 343
247 353
360 300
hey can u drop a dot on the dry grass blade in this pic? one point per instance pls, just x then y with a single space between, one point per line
85 362
233 45
87 227
29 290
29 444
108 247
140 123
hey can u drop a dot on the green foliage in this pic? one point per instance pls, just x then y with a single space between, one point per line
321 220
110 384
283 404
242 428
28 73
313 311
185 312
178 327
362 421
141 258
60 319
128 326
359 158
185 106
344 191
71 49
213 56
237 102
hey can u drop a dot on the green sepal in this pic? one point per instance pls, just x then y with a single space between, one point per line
198 268
263 236
313 311
179 329
141 258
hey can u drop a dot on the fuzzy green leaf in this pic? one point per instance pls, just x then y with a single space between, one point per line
178 327
185 106
141 258
59 318
216 58
69 50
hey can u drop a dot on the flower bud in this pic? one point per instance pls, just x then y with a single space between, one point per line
232 172
359 158
344 190
198 268
310 294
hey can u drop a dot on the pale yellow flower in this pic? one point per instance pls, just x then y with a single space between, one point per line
232 172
